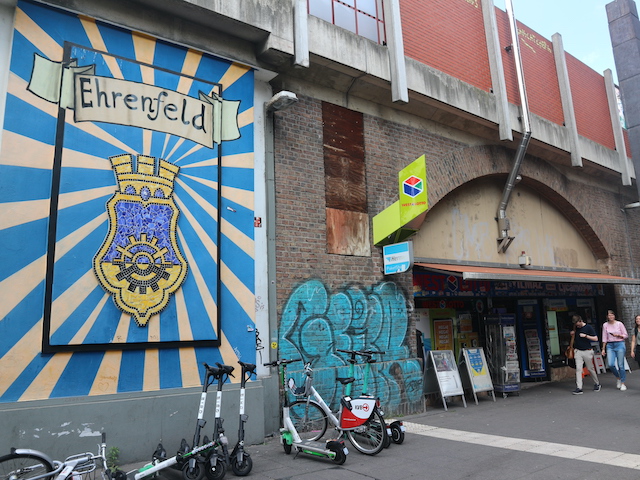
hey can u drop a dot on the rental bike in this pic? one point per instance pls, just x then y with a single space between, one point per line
395 429
27 464
359 419
289 436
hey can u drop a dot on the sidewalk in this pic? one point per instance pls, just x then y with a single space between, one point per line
544 432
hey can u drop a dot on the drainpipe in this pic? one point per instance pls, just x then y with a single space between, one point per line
504 240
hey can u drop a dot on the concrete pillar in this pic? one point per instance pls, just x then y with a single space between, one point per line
618 134
498 82
300 34
567 99
624 29
395 44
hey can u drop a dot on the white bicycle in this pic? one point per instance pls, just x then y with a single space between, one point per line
27 464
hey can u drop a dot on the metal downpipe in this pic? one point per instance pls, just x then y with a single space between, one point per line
504 240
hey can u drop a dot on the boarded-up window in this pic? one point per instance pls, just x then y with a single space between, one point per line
345 181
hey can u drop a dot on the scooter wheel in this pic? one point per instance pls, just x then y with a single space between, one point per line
340 457
287 448
242 468
397 435
195 473
216 473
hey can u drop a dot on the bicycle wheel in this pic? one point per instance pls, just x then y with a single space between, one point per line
309 419
370 437
23 466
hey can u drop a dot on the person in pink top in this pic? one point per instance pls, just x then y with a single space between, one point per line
614 334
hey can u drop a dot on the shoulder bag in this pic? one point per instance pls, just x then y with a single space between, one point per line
569 352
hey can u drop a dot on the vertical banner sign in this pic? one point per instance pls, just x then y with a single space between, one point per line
412 188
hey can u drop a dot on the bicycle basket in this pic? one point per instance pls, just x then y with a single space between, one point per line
300 391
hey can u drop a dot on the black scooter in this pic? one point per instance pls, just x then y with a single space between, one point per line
240 460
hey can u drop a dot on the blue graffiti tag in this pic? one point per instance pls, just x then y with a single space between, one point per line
315 324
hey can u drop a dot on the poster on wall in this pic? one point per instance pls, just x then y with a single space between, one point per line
443 334
127 172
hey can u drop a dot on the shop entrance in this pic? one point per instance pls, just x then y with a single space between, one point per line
558 314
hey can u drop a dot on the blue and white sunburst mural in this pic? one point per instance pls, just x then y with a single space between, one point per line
127 210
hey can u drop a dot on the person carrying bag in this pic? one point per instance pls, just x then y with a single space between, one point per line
581 338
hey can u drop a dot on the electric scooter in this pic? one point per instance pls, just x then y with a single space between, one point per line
191 460
240 460
335 450
218 458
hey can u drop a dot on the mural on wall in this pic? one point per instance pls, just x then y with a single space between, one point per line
316 323
140 262
126 231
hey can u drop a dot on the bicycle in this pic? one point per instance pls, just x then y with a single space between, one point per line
334 450
360 419
395 429
27 464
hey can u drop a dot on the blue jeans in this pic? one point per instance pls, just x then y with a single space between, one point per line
615 352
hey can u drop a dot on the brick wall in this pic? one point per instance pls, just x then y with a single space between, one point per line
539 69
301 229
449 36
590 103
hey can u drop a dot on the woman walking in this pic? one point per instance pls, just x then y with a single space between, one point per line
614 334
635 341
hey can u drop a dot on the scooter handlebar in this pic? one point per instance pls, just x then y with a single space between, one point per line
248 367
219 370
225 368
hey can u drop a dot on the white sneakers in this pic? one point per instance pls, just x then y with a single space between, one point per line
623 387
618 383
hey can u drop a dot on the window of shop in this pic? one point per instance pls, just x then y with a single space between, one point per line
363 17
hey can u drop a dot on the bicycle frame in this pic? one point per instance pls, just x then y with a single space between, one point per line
354 412
72 466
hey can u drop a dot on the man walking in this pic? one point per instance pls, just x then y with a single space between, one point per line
583 350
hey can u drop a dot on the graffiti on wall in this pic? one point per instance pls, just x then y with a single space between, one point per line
127 180
315 323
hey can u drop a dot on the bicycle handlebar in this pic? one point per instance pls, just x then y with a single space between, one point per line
362 353
277 363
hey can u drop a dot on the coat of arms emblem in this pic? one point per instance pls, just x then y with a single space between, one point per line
140 262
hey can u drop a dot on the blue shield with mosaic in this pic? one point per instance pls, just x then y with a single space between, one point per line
140 262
